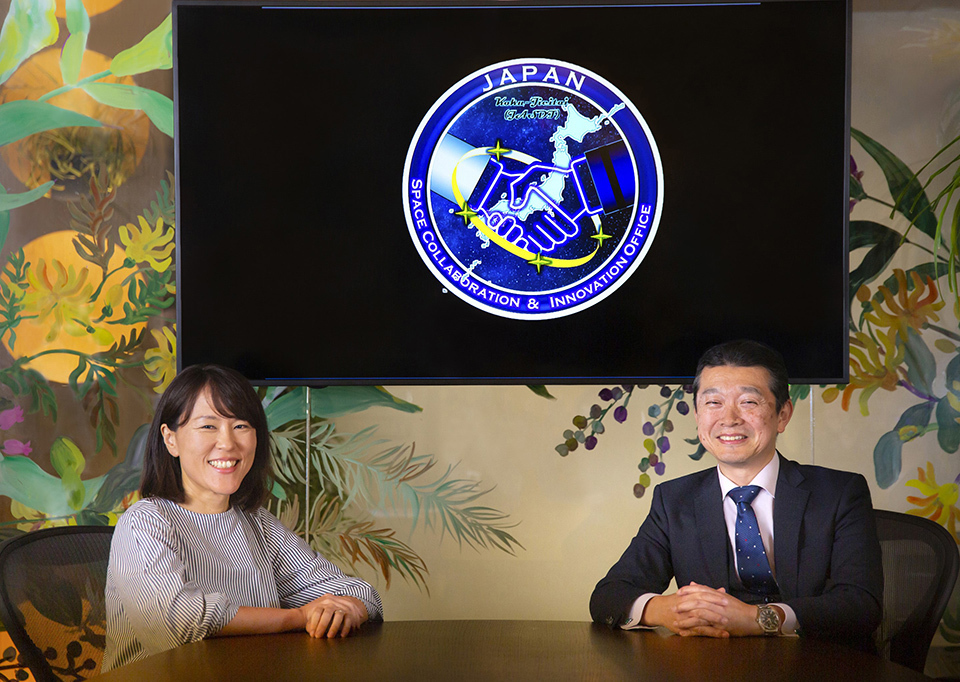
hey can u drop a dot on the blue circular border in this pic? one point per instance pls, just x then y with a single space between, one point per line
604 280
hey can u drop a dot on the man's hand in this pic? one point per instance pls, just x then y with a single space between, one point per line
332 616
698 610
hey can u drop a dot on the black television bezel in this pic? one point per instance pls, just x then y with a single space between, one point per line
667 378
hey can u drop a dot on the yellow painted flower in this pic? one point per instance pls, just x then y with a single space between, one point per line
872 367
36 520
906 310
63 294
151 245
939 502
161 362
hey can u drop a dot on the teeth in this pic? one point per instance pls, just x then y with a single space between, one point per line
730 439
222 463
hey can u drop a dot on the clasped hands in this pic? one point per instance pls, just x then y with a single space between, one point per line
698 610
333 616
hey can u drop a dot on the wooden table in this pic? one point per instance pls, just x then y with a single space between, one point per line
427 651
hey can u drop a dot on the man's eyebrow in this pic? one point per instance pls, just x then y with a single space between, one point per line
741 389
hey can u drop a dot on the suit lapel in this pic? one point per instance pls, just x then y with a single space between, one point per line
712 530
788 509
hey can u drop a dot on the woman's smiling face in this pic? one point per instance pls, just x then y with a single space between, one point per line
215 453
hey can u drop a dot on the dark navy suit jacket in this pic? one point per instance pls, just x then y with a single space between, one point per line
826 552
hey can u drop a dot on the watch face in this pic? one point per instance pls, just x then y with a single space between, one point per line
769 619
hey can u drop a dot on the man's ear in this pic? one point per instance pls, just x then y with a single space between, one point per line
786 412
170 439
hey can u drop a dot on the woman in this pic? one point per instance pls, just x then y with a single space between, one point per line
199 556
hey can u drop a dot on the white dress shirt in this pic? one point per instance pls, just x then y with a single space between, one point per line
763 508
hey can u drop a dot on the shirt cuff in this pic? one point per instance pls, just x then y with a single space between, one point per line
790 625
636 613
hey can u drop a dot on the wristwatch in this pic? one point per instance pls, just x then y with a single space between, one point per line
768 619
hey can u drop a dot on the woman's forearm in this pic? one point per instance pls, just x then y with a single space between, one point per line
252 620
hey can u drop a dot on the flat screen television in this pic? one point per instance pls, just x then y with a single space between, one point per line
510 192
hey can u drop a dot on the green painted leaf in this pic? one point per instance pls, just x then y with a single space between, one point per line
66 457
856 189
68 461
4 219
905 188
541 391
799 392
886 459
30 26
948 429
8 202
866 233
158 107
155 51
920 363
71 56
887 454
332 402
122 478
885 246
25 117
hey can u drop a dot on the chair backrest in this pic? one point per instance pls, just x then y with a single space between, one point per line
52 599
920 565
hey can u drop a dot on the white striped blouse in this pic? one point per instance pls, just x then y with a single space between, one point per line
177 576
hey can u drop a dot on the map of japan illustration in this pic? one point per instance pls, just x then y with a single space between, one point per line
533 189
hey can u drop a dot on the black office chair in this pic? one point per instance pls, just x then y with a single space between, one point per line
52 599
920 565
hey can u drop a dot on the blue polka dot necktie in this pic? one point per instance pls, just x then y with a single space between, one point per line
752 564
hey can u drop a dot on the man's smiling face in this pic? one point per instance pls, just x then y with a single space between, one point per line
737 419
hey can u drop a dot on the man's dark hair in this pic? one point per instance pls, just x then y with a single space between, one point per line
747 353
232 396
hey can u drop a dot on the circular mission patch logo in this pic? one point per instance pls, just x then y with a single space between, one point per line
533 189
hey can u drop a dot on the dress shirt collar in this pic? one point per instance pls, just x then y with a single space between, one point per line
766 478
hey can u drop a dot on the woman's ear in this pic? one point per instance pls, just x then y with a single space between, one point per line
170 439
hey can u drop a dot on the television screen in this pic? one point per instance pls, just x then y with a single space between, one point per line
510 193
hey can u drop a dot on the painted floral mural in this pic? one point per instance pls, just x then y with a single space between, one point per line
87 321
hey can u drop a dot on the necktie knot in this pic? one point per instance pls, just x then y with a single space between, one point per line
745 494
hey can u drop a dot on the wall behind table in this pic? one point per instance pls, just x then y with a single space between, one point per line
572 514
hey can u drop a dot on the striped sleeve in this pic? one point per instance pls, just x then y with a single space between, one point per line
161 607
303 575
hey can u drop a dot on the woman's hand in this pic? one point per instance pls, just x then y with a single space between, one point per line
332 616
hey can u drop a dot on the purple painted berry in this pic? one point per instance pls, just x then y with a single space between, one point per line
620 414
606 394
647 428
683 408
660 468
616 392
666 391
590 443
663 443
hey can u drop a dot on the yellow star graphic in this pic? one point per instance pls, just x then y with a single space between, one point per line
498 150
540 262
466 213
600 236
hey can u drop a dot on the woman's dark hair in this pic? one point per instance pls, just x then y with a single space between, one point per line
746 353
232 396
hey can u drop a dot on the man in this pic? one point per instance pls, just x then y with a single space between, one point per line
815 568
